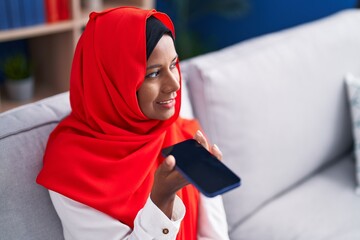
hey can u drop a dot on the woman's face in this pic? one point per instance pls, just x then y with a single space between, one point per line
156 95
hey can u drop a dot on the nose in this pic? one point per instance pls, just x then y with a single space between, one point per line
171 82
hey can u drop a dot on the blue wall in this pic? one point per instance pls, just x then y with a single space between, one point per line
257 18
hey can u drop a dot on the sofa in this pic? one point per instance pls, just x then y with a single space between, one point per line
277 107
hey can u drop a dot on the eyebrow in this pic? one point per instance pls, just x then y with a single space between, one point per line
159 65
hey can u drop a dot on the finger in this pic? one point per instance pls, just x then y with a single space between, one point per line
167 165
170 162
172 173
173 177
216 152
201 139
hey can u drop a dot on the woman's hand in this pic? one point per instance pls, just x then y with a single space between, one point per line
214 149
167 182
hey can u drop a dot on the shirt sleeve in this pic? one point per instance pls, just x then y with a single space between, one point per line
80 221
212 219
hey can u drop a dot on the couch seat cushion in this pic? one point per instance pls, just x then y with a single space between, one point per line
323 207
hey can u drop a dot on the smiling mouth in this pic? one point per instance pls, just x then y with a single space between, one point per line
166 102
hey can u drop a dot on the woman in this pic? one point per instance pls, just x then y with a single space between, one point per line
102 164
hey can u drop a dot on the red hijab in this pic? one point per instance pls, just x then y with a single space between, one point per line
105 153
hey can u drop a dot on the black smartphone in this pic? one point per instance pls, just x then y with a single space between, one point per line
208 174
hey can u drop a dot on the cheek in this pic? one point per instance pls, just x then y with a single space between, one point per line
177 74
146 95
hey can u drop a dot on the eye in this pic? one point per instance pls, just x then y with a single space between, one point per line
173 65
153 74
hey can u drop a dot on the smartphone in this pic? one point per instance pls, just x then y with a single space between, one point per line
207 173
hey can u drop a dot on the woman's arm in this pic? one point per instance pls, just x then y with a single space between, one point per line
80 221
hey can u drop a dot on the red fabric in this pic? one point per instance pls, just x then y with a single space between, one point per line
105 153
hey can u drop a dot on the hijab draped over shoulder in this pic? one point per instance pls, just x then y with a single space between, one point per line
105 153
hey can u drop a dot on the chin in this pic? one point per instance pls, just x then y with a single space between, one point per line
165 116
160 115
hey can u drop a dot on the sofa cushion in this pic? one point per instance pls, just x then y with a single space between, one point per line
186 110
323 207
353 87
276 106
26 211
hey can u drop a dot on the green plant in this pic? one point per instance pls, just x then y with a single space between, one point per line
16 67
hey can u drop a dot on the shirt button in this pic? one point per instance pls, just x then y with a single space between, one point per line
165 231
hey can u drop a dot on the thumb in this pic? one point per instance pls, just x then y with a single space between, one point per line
168 164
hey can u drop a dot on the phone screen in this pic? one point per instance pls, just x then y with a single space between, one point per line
208 174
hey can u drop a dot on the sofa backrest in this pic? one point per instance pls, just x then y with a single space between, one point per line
276 105
26 211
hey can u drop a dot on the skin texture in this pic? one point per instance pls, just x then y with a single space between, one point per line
156 100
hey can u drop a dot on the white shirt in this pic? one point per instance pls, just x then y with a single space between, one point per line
80 221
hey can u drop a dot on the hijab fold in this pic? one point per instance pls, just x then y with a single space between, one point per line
105 153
